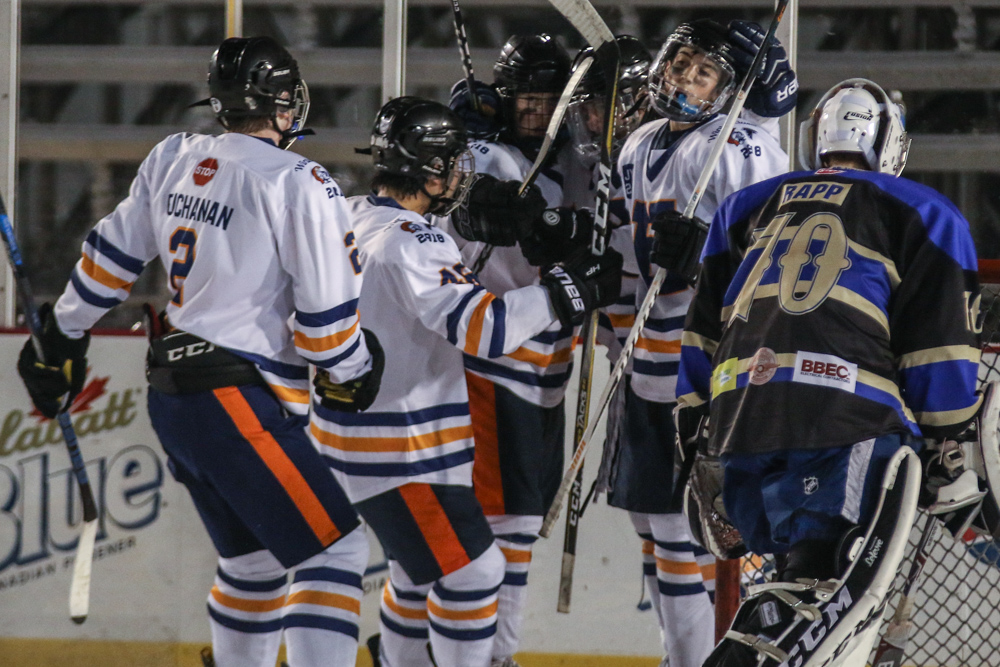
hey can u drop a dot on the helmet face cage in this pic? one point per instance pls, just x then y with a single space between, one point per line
700 54
856 116
459 178
534 68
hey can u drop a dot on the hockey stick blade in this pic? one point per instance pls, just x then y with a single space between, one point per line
586 20
654 288
80 586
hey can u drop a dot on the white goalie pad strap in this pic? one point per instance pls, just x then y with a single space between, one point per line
986 460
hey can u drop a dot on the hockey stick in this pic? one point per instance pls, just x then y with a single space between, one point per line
897 633
463 51
588 22
543 153
654 288
79 592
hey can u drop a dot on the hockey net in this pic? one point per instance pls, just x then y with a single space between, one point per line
956 615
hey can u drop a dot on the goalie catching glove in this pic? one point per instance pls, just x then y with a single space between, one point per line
592 282
53 382
677 243
496 214
354 395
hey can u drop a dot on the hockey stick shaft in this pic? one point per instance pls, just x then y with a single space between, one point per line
654 288
892 646
463 50
80 587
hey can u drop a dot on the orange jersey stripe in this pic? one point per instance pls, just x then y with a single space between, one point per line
290 395
664 346
279 464
516 556
435 526
325 343
648 547
243 604
708 571
411 443
405 612
676 567
475 332
463 615
621 321
486 479
106 278
539 359
345 602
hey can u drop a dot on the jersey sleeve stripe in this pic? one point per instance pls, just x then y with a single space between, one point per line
455 316
938 354
290 395
89 296
409 443
278 463
327 317
333 361
281 369
947 417
498 339
530 356
103 276
479 365
324 343
423 416
474 333
112 252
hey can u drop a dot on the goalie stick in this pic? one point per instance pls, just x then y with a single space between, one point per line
897 633
79 591
654 288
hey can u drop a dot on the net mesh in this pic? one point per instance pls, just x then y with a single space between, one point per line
956 616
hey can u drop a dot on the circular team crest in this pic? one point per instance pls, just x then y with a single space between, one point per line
763 366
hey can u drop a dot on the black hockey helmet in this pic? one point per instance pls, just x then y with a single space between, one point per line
585 115
528 64
422 139
256 77
708 41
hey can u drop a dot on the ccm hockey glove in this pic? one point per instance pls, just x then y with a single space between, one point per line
354 395
55 381
559 235
677 243
483 124
495 214
775 91
592 282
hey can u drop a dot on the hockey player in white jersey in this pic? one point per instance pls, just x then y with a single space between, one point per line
407 463
257 246
692 78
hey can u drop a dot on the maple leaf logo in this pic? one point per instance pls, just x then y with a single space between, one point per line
91 391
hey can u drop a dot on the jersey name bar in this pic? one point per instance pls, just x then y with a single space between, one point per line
199 209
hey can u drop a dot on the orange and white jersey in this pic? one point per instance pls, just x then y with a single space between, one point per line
427 310
657 170
258 250
540 369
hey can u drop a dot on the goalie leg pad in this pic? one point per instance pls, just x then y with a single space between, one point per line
827 623
986 460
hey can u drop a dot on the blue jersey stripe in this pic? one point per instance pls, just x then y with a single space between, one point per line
664 324
464 596
455 316
246 627
422 416
321 623
281 369
524 377
667 588
465 635
403 469
90 297
333 361
940 386
403 630
333 575
655 368
499 328
252 586
111 251
327 317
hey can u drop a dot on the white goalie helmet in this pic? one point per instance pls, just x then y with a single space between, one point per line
856 116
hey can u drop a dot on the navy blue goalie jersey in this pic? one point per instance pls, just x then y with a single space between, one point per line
832 307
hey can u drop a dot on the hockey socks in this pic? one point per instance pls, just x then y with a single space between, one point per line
513 594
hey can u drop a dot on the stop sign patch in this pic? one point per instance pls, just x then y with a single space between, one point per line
205 170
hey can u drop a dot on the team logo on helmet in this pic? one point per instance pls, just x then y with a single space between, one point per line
216 104
205 171
763 366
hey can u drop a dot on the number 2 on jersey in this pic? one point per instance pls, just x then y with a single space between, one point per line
806 277
182 243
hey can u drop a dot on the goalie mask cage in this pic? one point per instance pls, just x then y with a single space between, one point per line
956 614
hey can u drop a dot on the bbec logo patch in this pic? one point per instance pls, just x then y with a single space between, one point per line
825 370
205 171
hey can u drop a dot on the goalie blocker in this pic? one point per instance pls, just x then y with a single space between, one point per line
830 623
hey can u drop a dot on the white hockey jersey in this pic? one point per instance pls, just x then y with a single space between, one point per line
657 170
258 250
539 370
427 309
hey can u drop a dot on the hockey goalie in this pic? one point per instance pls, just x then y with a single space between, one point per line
834 335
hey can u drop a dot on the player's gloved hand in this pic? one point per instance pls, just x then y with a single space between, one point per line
54 382
559 235
484 124
691 424
677 243
354 395
776 89
593 281
496 214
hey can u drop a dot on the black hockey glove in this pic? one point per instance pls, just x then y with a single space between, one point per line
54 382
495 214
354 395
559 235
677 243
486 123
691 423
592 282
776 89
